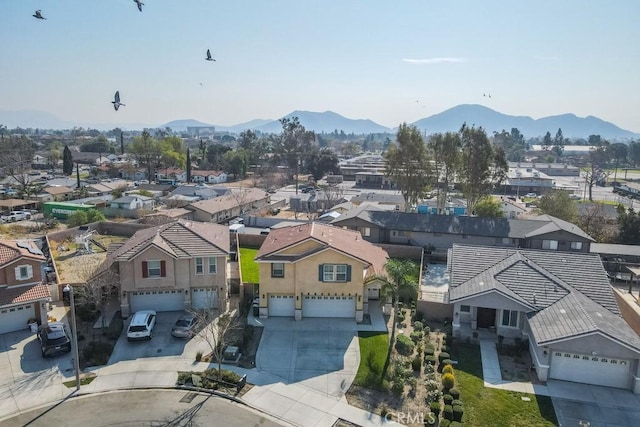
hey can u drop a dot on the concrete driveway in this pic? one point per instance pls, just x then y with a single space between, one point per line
162 343
322 354
26 373
595 406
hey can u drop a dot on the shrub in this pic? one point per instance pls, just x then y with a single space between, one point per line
183 377
444 348
447 399
443 355
447 369
448 381
426 330
445 362
455 424
432 385
458 411
384 411
448 412
444 423
435 408
456 402
429 349
430 360
198 356
416 336
404 345
418 326
455 393
428 369
397 386
416 363
434 395
97 353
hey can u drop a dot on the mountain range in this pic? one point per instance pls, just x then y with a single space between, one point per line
326 122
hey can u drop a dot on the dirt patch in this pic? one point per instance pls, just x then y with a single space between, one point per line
515 365
250 347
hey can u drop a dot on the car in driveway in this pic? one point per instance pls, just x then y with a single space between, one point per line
54 339
141 325
184 326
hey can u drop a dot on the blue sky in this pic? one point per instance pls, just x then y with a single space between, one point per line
363 59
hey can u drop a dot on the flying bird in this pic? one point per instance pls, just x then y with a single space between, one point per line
38 14
209 57
140 4
116 101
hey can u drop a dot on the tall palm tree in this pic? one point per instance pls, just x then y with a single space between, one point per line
401 275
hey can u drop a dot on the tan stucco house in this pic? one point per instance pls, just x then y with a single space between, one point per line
317 270
175 266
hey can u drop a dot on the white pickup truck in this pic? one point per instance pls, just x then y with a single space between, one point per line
14 216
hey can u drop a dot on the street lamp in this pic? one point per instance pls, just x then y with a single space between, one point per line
76 359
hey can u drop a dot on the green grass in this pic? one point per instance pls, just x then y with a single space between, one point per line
249 266
83 381
373 353
494 407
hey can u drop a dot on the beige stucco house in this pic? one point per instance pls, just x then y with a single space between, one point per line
175 266
317 270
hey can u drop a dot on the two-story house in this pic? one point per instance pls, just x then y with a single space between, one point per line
23 295
174 266
316 270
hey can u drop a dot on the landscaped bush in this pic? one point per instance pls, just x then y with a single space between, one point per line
447 399
455 424
97 353
227 376
448 412
455 393
397 386
404 345
444 423
416 363
447 369
432 385
458 411
418 326
183 377
443 355
445 362
430 360
435 408
429 349
416 336
433 396
87 312
429 369
426 330
456 402
448 381
444 348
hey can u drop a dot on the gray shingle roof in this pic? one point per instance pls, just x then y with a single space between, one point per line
568 294
180 239
475 226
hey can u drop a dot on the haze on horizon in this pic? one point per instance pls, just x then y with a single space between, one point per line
373 59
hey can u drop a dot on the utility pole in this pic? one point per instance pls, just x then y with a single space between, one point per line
76 360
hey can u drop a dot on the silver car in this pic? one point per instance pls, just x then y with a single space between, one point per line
184 326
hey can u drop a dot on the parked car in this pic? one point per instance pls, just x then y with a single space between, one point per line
184 326
54 339
141 326
14 216
532 195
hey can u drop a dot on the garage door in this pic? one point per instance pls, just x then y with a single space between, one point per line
157 300
282 305
15 318
597 370
329 307
202 299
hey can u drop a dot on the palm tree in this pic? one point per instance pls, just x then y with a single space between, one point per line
401 275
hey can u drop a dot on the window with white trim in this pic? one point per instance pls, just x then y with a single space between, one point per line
510 318
551 245
24 272
576 246
465 308
154 269
277 269
213 266
334 273
199 265
365 231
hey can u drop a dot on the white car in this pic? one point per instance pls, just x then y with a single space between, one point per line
532 195
141 326
14 216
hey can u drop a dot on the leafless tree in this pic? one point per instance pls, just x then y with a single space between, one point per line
593 220
99 281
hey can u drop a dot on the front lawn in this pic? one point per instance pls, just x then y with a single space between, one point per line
373 353
494 407
248 266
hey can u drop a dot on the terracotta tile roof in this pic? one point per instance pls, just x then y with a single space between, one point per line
11 250
346 241
180 239
23 294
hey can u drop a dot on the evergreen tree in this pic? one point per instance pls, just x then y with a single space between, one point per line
67 161
188 165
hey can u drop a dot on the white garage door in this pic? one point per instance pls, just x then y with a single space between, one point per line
329 307
157 300
597 370
15 318
204 299
282 305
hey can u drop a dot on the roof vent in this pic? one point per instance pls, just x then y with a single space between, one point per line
563 311
534 298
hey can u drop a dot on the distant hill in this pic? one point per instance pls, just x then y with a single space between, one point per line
181 125
478 115
37 119
326 122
